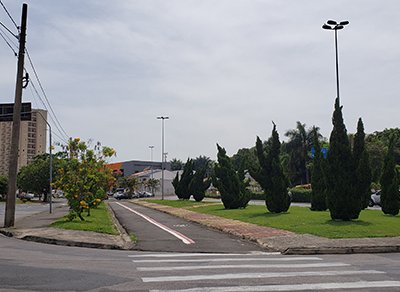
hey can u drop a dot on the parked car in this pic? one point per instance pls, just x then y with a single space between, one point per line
375 199
25 196
145 195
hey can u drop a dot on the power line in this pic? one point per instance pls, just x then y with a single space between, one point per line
15 53
9 15
7 29
44 104
44 93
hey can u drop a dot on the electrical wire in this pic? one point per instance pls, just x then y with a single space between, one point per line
44 93
3 37
8 30
32 85
9 15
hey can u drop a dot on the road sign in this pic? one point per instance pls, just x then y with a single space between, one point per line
7 110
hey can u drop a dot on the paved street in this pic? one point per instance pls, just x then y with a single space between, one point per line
27 266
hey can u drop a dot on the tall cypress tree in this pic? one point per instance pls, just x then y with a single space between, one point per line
182 185
343 201
232 187
318 182
199 184
390 196
270 174
362 167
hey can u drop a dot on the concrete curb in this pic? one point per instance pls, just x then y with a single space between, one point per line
128 244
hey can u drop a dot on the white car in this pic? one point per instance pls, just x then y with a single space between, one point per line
375 199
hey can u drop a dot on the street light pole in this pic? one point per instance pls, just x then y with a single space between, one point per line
151 159
334 25
50 167
162 155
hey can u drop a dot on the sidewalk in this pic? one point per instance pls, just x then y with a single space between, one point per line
36 228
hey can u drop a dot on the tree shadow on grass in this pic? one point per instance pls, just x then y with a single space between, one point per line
347 223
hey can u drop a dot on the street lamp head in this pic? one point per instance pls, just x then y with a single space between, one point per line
162 118
344 23
331 22
325 26
339 27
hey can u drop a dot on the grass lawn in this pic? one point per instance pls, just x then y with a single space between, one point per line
98 221
371 223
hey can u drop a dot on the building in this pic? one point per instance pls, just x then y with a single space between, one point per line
157 174
32 140
127 168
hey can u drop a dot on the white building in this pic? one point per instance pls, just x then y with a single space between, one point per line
157 174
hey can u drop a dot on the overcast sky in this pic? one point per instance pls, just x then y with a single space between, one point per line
222 70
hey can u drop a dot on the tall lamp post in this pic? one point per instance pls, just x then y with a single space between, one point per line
162 155
334 25
51 166
151 159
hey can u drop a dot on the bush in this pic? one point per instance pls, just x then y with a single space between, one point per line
300 195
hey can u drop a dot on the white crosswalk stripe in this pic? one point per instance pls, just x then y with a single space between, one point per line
252 272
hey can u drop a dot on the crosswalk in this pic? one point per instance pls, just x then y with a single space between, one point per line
257 271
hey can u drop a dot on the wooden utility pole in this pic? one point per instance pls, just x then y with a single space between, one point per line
9 217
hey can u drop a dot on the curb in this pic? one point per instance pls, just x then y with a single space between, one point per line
128 243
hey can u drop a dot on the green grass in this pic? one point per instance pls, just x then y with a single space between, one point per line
181 203
371 223
98 221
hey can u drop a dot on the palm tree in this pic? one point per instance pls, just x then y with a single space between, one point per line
298 146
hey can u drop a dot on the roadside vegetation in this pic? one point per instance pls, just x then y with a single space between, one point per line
371 223
98 221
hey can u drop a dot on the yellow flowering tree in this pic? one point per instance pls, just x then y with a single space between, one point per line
83 176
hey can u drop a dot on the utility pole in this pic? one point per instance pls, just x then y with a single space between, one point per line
9 217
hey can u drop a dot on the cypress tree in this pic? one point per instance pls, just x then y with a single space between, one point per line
390 196
361 163
199 184
343 201
232 187
182 185
270 174
318 183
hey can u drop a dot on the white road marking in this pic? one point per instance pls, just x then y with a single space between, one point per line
257 275
295 287
209 267
227 260
185 239
169 255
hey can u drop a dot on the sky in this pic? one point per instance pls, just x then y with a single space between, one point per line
221 70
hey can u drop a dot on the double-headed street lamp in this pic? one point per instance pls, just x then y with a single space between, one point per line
162 155
334 25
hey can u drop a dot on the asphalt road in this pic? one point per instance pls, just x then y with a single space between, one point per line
157 231
29 266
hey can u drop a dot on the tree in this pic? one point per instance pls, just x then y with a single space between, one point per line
152 184
343 201
199 184
203 162
131 183
270 174
245 158
181 184
176 164
298 146
231 185
35 177
83 176
390 196
318 181
362 167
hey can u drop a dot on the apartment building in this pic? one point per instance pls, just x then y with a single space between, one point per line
32 140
